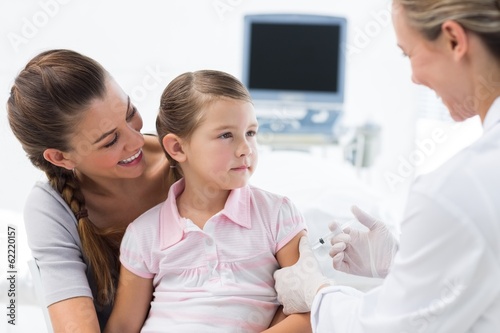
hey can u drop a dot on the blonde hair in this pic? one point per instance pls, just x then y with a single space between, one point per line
184 98
46 102
481 17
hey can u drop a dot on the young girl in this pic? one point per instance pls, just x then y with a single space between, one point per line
210 250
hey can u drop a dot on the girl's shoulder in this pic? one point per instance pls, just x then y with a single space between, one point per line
266 195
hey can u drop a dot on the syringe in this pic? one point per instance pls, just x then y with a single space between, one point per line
331 234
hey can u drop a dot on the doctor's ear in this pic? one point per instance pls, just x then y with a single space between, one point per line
173 146
456 38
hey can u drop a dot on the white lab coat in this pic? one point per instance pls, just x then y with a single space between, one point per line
446 274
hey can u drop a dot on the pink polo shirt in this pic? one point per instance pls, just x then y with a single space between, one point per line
215 279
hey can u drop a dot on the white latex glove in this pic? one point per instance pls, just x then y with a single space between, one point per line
297 285
367 253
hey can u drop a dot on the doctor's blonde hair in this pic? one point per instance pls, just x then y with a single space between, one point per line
481 17
184 99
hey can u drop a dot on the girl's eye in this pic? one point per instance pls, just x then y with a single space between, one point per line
252 133
132 114
226 135
112 141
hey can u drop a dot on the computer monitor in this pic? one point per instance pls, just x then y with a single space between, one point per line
295 62
294 58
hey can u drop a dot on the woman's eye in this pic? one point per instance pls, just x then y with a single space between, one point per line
112 141
226 135
252 133
132 114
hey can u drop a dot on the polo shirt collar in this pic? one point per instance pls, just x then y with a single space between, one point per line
237 207
172 225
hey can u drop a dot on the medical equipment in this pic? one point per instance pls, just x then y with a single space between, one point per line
295 62
322 240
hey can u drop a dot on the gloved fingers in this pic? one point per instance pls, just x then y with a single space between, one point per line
307 262
287 286
363 217
287 310
337 248
338 262
347 230
305 250
298 284
340 238
335 228
286 276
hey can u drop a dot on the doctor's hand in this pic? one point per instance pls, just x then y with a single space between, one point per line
367 253
297 285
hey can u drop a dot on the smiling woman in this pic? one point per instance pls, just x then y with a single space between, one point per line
442 274
77 125
437 47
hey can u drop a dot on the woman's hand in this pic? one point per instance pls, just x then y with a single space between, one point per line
297 285
367 253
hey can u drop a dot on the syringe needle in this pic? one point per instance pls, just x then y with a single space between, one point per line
322 240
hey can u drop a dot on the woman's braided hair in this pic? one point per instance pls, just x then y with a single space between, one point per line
47 100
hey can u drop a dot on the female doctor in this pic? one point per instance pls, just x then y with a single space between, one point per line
443 275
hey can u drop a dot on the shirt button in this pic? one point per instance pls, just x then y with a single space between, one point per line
209 241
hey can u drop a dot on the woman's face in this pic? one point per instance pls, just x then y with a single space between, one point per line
434 66
108 142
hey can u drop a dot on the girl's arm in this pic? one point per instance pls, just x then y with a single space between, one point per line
133 298
74 314
297 322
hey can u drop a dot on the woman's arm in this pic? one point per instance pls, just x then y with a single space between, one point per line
298 322
52 235
133 298
74 314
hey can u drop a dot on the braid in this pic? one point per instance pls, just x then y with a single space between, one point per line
48 100
99 247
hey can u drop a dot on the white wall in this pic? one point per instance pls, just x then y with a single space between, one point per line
134 38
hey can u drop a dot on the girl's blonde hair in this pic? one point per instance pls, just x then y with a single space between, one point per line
47 101
184 99
481 17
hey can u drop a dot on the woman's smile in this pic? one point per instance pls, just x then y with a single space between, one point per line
135 158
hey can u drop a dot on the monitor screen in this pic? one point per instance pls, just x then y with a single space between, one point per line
294 58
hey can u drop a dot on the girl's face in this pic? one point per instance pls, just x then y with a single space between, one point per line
108 143
433 66
222 151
